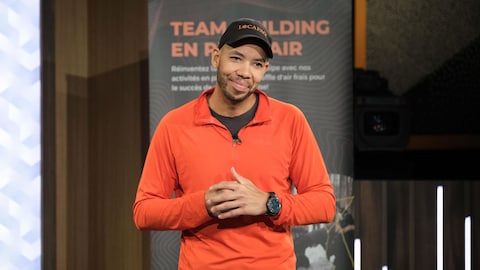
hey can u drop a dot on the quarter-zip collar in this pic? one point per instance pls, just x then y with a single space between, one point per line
203 116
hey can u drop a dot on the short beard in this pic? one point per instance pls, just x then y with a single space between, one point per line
222 82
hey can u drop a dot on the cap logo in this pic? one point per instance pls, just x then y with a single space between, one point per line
253 27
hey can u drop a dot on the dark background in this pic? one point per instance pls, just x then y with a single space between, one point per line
426 56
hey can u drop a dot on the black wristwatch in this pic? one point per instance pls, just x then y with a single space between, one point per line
273 205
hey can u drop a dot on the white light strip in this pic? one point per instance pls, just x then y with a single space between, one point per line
20 135
357 254
468 243
384 267
439 228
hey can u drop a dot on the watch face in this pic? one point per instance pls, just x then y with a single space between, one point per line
273 205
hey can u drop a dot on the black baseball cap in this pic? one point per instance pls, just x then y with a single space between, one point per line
247 31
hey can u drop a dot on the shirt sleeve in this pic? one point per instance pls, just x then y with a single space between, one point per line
154 208
314 201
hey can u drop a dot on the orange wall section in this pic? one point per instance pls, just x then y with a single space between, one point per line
360 34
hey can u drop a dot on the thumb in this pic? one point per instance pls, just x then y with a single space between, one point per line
237 176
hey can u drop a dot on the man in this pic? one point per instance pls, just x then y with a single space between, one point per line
232 156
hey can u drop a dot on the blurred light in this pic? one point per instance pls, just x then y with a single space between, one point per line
357 254
439 228
468 243
20 150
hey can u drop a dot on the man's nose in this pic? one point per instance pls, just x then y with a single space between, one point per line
244 70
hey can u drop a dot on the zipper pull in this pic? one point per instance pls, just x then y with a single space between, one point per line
236 139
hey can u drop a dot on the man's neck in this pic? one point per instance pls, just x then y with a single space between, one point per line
222 106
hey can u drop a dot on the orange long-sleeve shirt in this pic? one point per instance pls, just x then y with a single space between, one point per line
191 150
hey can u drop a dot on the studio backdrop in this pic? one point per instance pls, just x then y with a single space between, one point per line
311 68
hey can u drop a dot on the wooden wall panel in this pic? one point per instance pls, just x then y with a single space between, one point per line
118 34
71 58
423 235
411 226
96 111
454 214
473 191
115 161
48 155
371 222
78 203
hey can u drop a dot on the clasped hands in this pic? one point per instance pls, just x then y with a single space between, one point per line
229 199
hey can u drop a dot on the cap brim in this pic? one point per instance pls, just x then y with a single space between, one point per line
253 39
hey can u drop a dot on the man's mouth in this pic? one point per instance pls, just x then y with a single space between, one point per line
240 86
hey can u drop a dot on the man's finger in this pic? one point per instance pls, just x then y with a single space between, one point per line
223 185
237 176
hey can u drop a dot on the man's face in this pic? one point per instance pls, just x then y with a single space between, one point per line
239 70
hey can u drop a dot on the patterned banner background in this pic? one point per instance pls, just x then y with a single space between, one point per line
20 151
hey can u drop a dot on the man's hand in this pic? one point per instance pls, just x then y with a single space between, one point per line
230 199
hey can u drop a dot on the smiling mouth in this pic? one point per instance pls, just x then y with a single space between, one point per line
239 86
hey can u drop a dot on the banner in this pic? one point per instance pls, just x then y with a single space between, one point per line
311 68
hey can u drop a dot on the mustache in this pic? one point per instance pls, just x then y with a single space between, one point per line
241 80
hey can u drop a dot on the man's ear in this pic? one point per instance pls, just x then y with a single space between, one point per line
215 57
